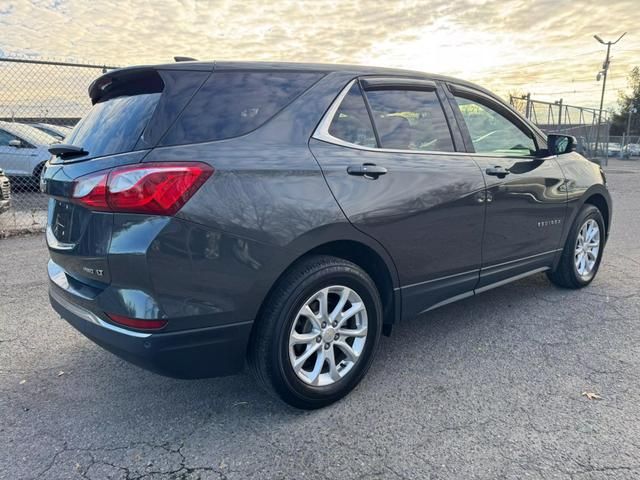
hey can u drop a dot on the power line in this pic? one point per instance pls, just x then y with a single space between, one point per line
520 66
593 90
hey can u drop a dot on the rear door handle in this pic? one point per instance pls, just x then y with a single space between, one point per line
367 170
497 171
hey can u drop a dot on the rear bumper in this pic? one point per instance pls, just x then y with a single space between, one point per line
196 353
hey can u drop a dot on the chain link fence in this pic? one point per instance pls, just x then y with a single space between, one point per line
40 102
590 126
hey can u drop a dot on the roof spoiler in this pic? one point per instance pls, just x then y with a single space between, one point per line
64 150
125 81
138 79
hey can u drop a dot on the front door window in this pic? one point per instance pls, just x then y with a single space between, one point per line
492 133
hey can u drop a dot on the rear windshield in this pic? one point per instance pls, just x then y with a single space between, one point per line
115 125
232 103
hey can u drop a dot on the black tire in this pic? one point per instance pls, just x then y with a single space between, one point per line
566 274
268 354
35 180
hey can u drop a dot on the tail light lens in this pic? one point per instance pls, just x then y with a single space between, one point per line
152 188
138 323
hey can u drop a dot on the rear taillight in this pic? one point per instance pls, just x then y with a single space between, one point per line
153 188
137 323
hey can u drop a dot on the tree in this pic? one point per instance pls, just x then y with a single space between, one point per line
626 101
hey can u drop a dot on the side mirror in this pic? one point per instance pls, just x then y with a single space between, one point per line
559 144
15 143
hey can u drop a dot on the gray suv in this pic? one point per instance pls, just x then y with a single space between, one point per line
204 216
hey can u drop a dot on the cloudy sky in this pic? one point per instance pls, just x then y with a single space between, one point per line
545 47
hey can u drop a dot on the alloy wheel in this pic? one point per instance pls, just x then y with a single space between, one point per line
587 248
328 335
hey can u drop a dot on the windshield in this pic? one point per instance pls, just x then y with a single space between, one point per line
49 131
31 135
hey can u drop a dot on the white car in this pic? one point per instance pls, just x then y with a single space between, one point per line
614 149
633 149
59 132
23 150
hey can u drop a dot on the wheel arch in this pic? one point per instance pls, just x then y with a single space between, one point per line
37 170
599 201
371 262
598 196
376 264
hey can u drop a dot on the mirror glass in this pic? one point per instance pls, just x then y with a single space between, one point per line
559 144
562 143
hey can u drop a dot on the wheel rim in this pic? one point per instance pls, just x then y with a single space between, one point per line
587 248
328 335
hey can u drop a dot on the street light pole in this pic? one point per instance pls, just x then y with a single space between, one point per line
603 72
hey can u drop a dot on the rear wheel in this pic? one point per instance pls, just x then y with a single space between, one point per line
317 335
582 251
34 183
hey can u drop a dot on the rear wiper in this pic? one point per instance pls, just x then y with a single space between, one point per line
64 150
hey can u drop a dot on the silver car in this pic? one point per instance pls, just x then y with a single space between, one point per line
23 149
59 132
633 149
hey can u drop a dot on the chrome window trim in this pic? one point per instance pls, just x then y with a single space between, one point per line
322 133
322 130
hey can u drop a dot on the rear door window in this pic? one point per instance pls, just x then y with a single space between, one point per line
410 120
351 122
233 103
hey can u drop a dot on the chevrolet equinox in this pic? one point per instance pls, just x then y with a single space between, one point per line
208 215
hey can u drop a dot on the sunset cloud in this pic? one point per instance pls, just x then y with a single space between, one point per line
544 47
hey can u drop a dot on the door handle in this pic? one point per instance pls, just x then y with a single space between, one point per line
367 170
497 171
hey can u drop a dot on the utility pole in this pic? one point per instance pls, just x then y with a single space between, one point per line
603 73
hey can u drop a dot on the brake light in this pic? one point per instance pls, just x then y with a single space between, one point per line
152 188
137 323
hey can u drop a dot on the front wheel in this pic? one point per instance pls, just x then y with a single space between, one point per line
318 332
582 251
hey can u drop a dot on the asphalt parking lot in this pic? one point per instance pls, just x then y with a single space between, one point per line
490 387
